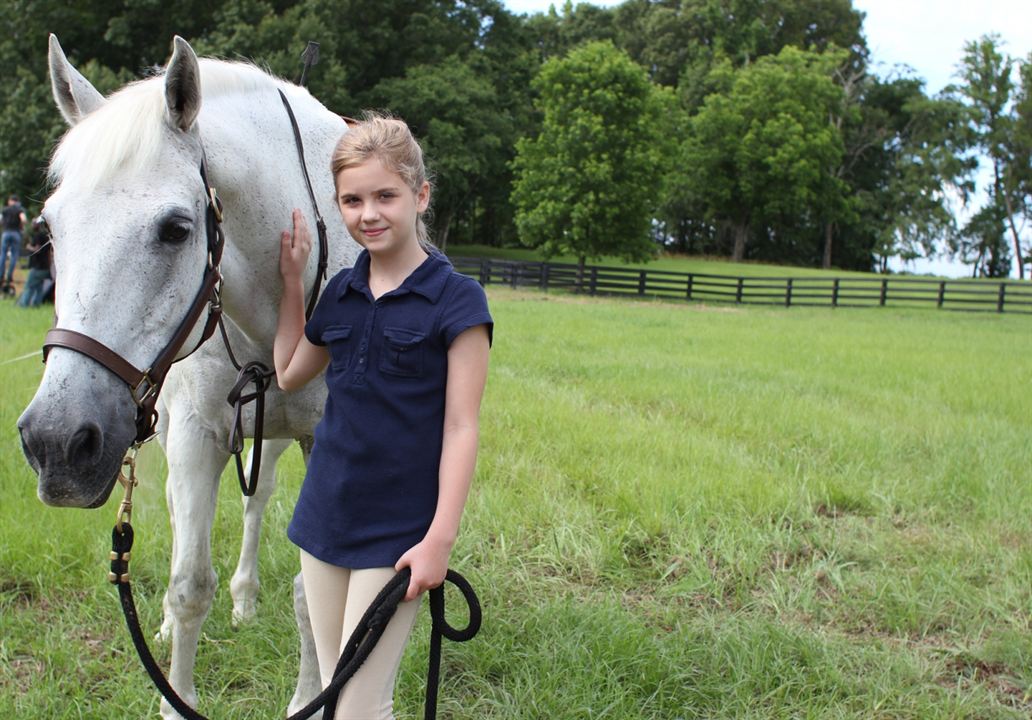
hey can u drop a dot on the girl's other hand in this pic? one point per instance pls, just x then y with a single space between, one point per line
429 563
294 248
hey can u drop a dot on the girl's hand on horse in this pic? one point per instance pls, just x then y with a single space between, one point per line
429 563
294 248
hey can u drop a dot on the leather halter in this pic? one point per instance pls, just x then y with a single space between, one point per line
144 385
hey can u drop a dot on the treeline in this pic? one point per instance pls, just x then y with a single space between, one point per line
749 128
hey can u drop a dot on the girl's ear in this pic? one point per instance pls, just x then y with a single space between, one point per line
423 197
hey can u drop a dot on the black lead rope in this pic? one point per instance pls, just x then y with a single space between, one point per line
358 648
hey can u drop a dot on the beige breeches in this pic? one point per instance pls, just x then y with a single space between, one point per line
337 599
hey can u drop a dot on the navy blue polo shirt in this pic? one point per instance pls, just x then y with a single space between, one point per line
370 492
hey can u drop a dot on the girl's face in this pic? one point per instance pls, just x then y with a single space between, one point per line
379 208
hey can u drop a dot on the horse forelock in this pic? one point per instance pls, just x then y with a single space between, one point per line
128 132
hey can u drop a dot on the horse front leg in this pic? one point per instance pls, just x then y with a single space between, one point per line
195 461
243 587
309 682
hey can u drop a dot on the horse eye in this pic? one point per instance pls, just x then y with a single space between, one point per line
174 232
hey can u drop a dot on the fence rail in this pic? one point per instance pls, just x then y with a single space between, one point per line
895 291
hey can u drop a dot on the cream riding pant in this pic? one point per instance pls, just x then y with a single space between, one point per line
337 599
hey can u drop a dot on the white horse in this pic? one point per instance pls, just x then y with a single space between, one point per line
128 225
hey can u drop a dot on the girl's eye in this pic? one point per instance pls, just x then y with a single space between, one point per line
387 196
349 201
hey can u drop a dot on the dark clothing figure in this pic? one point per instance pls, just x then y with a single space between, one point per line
13 220
39 271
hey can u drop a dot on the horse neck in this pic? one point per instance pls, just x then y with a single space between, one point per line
257 172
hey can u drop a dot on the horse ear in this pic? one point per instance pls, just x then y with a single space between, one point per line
75 96
182 85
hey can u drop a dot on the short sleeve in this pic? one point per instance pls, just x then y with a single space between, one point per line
465 306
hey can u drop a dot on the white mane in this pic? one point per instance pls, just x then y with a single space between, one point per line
125 133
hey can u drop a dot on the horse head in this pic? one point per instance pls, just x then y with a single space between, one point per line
127 219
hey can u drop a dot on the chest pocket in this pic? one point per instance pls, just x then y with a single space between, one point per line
337 339
402 352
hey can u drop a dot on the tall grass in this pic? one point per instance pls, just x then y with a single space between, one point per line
679 512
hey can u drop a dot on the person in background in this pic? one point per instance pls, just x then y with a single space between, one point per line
39 266
13 221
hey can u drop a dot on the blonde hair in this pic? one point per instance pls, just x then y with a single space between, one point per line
390 141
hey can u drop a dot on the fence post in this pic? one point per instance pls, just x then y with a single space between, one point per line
593 283
641 282
545 272
788 292
514 274
485 271
738 292
691 278
999 303
884 291
834 293
942 293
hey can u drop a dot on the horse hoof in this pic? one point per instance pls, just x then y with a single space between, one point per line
169 713
244 612
164 634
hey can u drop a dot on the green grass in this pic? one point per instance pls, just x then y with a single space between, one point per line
680 511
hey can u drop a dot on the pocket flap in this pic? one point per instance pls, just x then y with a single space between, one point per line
336 332
401 337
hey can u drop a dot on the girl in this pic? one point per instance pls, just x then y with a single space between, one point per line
406 340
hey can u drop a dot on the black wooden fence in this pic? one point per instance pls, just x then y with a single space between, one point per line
896 291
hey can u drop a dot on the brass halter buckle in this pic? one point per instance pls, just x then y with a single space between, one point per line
216 206
128 481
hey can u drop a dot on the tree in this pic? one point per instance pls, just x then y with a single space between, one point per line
587 184
901 167
453 111
1020 142
760 154
986 87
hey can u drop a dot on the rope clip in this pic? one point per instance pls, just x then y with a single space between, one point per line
128 481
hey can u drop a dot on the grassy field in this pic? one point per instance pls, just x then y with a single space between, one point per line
680 512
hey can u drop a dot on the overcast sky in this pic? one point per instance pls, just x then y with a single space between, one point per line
927 36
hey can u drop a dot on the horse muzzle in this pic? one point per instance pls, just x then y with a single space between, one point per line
75 434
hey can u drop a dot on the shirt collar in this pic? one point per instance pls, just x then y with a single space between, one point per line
427 280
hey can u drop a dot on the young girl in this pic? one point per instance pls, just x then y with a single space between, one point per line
406 340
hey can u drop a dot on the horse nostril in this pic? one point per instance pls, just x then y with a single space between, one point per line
85 445
34 451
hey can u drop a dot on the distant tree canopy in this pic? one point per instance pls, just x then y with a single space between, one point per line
587 184
761 129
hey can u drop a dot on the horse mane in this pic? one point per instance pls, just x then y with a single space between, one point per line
126 133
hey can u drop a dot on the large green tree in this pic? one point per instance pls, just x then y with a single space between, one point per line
986 87
588 184
760 155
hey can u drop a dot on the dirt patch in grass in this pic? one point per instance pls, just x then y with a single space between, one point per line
19 593
996 677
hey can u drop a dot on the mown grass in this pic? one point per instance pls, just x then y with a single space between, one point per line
680 512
